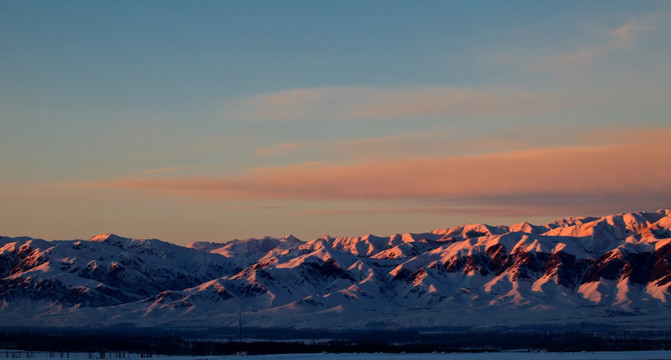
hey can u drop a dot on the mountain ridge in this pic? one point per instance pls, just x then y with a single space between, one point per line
612 269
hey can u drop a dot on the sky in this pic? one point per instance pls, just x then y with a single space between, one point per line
214 120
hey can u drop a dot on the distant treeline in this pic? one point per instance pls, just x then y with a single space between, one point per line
221 342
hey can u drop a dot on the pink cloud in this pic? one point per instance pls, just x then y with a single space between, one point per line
636 167
367 147
384 103
424 143
280 148
437 101
555 206
625 36
285 104
166 169
582 58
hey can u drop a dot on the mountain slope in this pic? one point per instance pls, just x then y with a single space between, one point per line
612 269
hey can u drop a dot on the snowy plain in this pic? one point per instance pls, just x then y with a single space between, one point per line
630 355
605 355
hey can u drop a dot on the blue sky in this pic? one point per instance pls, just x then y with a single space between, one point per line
208 121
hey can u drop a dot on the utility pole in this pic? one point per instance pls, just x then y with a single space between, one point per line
240 327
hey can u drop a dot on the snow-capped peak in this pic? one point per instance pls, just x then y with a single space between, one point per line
610 269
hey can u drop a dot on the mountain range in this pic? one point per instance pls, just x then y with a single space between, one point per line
611 270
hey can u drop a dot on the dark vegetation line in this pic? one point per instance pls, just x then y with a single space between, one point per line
166 343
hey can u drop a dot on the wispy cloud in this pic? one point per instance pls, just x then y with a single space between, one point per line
261 207
282 148
287 104
166 169
573 61
513 207
625 36
390 102
432 144
433 210
583 57
442 102
363 147
633 168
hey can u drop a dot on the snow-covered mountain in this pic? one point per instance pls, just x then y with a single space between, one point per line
613 270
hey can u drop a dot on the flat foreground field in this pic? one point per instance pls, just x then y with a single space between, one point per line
606 355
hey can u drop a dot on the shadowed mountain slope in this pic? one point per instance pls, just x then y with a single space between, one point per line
612 269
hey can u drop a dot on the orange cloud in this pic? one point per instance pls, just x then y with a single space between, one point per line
636 167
